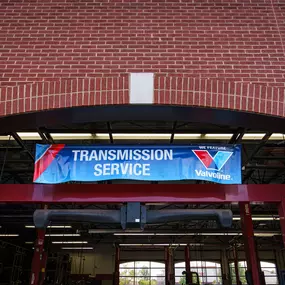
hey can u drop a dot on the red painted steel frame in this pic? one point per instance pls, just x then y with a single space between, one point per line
158 193
39 260
251 254
187 259
187 262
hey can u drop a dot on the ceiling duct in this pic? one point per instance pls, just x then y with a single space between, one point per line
132 216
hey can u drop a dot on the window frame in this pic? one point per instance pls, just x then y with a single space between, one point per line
201 265
273 262
152 265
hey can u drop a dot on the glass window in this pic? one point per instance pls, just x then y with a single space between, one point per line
268 268
206 271
142 273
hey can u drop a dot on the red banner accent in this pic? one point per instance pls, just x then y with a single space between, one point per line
42 164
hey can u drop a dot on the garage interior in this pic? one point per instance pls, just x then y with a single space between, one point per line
97 252
88 251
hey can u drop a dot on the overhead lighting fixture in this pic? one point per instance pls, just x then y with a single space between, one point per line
277 136
72 136
187 136
29 242
69 242
260 218
144 136
197 234
77 248
253 136
62 235
174 234
50 227
105 136
159 244
266 234
101 231
9 235
29 136
218 136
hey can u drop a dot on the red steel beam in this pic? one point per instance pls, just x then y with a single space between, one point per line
187 262
251 254
158 193
39 260
187 259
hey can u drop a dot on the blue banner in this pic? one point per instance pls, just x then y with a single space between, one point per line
61 163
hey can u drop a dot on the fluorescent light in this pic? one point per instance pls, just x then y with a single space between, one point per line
101 231
69 242
78 248
5 138
260 218
63 235
9 235
103 136
266 234
145 136
29 136
52 227
160 244
277 136
187 136
135 234
218 136
29 242
72 136
196 234
253 136
174 234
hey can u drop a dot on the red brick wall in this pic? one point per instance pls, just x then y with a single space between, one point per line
238 44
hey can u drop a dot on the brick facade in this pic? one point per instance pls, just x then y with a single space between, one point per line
61 53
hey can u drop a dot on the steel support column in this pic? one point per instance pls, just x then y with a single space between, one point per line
281 211
225 267
117 266
253 265
169 266
43 267
235 255
187 262
39 260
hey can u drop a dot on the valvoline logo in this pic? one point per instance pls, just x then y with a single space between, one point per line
215 162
